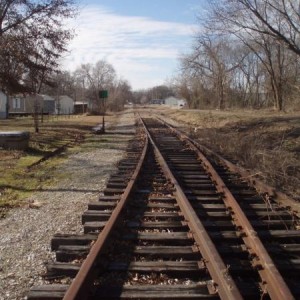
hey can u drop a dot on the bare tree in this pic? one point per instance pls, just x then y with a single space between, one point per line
279 19
268 28
193 89
100 76
138 96
249 80
213 61
160 92
269 60
120 93
32 38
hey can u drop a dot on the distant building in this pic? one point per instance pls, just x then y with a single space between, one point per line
3 100
17 104
157 101
48 104
182 103
81 107
64 105
173 101
28 104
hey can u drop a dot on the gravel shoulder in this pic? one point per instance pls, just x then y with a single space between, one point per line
26 232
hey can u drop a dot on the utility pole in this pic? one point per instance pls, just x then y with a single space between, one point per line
103 94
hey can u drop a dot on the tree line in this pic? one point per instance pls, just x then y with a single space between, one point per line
85 83
33 39
246 55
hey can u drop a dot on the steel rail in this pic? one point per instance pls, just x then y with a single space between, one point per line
271 278
281 198
80 285
223 283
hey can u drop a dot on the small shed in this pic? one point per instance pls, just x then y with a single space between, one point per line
81 107
64 105
3 103
173 101
48 104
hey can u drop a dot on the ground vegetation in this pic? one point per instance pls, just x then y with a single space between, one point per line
265 142
28 171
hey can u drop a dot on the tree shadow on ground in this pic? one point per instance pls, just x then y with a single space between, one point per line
3 187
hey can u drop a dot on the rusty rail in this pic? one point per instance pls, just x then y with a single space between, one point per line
260 186
224 285
83 280
271 278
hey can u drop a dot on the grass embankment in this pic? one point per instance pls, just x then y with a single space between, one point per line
19 178
265 142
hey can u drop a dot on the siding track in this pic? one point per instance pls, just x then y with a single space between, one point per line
173 225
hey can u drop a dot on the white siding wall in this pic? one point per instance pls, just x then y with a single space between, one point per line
65 105
173 101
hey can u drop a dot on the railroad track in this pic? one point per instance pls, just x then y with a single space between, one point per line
173 225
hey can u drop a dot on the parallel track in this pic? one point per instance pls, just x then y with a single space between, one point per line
186 228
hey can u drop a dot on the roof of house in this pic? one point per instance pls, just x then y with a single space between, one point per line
65 97
81 103
174 98
48 98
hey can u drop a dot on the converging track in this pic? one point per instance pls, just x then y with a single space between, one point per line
174 225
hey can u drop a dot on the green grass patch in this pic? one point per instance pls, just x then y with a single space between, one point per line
19 183
19 180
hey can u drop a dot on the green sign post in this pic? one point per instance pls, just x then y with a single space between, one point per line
103 94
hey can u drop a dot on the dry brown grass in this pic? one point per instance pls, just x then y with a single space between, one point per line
265 142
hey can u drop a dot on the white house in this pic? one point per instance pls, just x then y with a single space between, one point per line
175 102
64 105
3 99
25 104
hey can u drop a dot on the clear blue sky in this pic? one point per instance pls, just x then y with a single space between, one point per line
141 39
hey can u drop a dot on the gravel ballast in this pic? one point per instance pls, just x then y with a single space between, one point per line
26 232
